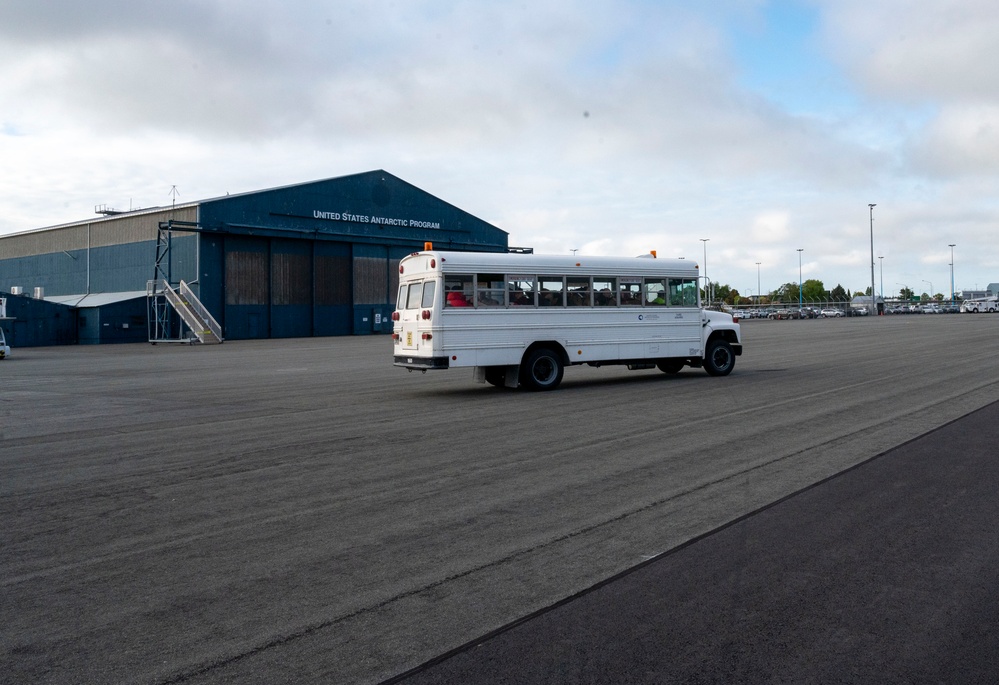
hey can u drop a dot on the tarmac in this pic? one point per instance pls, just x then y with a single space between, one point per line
887 572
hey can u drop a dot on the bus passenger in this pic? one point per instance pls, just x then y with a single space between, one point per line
456 298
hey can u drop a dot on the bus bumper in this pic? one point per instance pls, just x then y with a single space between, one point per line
420 362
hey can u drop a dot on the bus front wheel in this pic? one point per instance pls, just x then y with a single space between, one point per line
542 370
720 359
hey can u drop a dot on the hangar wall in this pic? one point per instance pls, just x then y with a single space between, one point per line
313 259
111 254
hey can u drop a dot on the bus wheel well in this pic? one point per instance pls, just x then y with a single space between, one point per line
549 345
730 336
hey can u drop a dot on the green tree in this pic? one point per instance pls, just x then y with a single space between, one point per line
839 294
722 293
813 290
905 293
786 293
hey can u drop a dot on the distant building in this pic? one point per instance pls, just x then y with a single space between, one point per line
865 301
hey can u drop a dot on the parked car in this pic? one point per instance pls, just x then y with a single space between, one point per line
832 313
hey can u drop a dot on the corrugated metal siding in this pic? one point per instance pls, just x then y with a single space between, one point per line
134 228
333 280
291 273
246 278
44 242
370 280
104 232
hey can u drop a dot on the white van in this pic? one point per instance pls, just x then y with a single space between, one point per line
4 348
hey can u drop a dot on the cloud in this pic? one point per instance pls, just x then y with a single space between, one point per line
613 127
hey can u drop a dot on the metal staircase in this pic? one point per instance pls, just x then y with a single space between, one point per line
176 315
179 316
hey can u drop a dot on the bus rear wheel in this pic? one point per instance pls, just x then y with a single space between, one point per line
496 376
720 359
542 370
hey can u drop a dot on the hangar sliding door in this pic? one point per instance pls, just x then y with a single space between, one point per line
247 288
291 288
333 289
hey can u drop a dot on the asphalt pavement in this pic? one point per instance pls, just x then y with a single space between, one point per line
886 573
301 511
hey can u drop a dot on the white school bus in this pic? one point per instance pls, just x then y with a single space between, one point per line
520 319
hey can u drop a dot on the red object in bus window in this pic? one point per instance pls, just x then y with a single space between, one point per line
456 298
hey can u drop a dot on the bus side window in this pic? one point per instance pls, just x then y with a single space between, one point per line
521 291
458 291
552 291
577 291
490 291
605 292
630 291
429 290
683 292
655 291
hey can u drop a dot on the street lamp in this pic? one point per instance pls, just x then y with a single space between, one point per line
758 291
881 261
931 287
874 303
707 283
800 250
951 246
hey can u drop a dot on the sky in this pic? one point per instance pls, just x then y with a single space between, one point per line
732 132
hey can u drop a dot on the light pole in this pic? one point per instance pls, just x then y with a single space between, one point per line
874 302
800 250
931 288
951 246
707 283
758 291
881 262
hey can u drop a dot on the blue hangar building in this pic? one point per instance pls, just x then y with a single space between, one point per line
313 259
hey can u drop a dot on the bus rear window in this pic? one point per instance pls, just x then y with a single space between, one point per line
415 295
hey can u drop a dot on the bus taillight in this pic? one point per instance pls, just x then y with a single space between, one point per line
425 315
395 316
427 336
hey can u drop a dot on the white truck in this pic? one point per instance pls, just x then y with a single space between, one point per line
4 347
980 304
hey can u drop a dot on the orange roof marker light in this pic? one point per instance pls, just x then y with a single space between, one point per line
428 245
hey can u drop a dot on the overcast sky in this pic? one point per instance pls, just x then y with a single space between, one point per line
608 127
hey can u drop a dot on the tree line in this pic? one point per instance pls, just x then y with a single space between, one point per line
812 290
